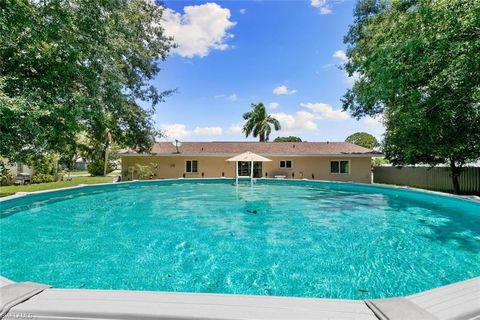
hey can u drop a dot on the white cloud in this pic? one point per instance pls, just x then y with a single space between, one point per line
235 128
273 105
351 80
243 11
179 131
232 97
322 6
175 131
208 131
372 122
283 90
325 111
199 30
300 121
340 54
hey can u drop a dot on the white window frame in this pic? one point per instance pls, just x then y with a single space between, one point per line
191 166
339 166
285 168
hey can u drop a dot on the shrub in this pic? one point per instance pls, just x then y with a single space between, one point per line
146 172
42 178
376 162
96 168
7 178
60 175
44 164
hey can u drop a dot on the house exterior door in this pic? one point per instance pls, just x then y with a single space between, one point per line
244 169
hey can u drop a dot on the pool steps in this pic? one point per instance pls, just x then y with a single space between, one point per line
458 301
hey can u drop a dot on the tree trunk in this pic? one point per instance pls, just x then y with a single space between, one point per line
456 171
105 164
262 138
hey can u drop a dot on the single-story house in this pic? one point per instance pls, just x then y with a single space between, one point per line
336 161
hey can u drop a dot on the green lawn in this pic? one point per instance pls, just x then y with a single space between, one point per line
74 172
9 190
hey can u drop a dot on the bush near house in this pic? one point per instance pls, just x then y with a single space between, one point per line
43 164
147 171
96 168
42 178
7 178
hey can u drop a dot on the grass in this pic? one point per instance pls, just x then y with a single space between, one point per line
74 172
9 190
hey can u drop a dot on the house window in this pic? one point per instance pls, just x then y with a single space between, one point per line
340 166
286 164
191 166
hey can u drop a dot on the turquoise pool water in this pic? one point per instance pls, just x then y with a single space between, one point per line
306 239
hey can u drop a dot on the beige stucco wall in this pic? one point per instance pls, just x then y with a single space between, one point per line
168 167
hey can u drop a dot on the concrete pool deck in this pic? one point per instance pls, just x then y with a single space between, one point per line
458 301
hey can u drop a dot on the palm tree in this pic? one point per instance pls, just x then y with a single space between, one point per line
259 122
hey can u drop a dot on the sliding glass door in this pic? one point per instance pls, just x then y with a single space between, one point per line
244 169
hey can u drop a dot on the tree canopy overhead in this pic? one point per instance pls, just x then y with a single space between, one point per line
259 123
78 66
363 139
418 64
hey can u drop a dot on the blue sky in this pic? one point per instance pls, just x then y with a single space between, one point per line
232 53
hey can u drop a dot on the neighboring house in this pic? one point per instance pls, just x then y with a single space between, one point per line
336 161
20 169
80 164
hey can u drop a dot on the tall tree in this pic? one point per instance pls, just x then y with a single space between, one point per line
418 64
363 139
259 123
78 66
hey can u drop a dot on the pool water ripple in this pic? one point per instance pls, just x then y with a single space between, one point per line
287 239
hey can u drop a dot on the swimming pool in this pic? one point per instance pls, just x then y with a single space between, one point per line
285 238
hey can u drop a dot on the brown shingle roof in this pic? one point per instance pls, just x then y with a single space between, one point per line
262 148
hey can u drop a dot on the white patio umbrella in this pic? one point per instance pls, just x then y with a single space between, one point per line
247 157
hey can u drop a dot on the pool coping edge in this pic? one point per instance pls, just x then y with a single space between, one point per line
472 198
